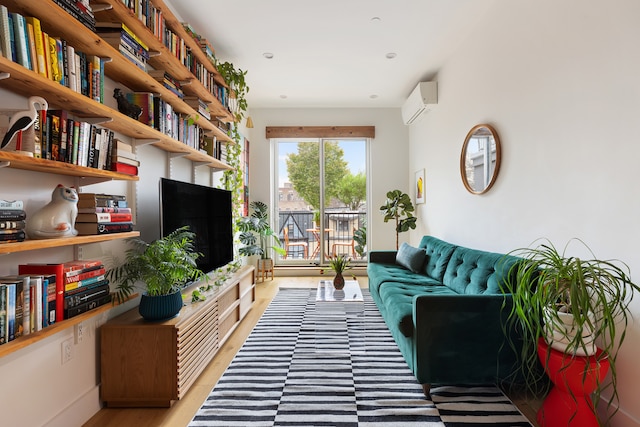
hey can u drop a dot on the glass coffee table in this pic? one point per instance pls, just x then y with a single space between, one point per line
340 318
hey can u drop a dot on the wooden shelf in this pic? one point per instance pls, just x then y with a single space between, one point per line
166 60
56 21
27 340
26 82
19 161
30 245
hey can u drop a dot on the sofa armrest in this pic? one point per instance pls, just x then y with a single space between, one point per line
383 257
461 338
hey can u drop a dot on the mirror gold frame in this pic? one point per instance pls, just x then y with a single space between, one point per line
479 166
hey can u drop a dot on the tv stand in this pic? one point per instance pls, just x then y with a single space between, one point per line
154 363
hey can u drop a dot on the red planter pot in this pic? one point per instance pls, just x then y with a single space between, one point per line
574 379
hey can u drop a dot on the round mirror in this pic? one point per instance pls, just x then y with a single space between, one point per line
480 159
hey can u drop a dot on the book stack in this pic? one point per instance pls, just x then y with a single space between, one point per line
123 159
100 213
12 221
80 10
167 81
85 287
128 44
199 105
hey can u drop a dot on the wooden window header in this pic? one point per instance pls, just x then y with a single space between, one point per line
321 132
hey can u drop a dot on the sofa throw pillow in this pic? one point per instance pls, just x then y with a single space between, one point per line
410 257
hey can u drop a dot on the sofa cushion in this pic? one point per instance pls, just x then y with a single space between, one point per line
475 272
438 255
398 301
410 257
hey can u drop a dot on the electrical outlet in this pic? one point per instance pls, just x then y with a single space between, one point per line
67 350
79 333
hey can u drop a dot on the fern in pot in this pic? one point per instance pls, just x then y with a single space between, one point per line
578 307
162 269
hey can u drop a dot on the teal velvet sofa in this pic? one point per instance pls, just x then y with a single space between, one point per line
448 314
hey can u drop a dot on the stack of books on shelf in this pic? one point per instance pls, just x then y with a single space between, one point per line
100 213
12 221
23 41
167 81
85 287
199 105
123 159
125 41
206 47
80 10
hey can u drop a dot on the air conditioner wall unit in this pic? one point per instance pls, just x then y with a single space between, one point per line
423 97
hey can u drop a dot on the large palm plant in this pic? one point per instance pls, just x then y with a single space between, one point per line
256 234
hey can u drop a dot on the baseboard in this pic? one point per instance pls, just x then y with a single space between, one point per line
620 419
296 271
80 411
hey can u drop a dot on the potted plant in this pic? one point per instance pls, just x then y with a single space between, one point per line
339 264
563 306
398 207
258 237
164 266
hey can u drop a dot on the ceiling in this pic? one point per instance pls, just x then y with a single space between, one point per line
332 53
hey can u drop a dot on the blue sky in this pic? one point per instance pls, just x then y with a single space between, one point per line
354 154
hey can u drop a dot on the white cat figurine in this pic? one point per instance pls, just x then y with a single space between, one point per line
57 218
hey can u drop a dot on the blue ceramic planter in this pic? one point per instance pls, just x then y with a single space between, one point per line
163 307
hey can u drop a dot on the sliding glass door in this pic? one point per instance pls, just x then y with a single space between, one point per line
321 200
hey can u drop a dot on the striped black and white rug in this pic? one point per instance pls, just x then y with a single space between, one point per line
305 366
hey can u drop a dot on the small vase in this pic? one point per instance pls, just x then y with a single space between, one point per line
338 281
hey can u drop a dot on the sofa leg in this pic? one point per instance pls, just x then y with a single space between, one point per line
426 388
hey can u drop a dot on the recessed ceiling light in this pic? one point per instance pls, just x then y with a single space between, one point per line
391 55
374 96
376 19
283 96
268 55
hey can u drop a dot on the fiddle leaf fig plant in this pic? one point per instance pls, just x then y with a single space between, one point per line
398 207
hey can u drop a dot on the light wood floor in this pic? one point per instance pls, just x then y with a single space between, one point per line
183 411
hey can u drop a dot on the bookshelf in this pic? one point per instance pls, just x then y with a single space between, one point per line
56 21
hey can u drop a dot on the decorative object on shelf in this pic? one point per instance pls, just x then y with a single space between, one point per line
22 120
419 187
57 218
548 285
165 266
339 264
398 207
125 107
480 159
256 234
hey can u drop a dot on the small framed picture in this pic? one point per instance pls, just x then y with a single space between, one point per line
419 187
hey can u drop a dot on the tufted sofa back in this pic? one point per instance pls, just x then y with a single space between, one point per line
438 255
475 272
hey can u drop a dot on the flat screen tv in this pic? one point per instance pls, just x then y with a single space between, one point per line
208 213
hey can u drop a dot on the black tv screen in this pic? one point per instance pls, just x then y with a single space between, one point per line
208 213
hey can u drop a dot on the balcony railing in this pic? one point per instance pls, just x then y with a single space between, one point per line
304 236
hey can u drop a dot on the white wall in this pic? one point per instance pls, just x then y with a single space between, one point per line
388 156
559 82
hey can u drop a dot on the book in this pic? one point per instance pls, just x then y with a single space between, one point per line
21 310
20 37
37 307
80 284
92 228
3 313
90 305
56 72
86 296
31 44
105 209
93 200
49 283
12 215
124 168
125 160
12 236
104 217
11 311
12 225
5 32
55 274
75 267
85 273
123 153
11 204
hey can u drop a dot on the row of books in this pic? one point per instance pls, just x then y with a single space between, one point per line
23 41
100 213
153 19
12 221
43 294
